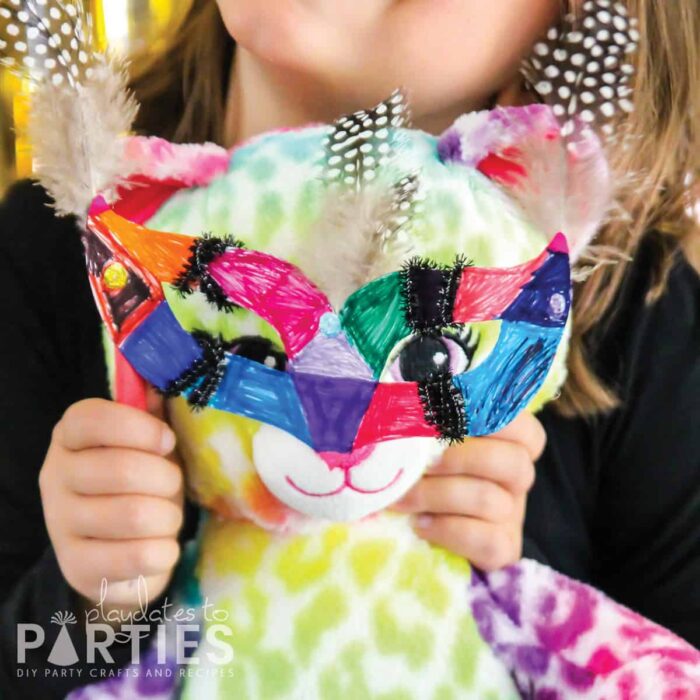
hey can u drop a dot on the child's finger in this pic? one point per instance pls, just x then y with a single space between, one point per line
92 560
459 495
527 431
132 517
100 423
102 471
504 462
486 545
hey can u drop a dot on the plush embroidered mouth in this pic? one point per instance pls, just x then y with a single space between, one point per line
347 484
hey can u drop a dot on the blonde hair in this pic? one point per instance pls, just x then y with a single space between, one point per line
183 97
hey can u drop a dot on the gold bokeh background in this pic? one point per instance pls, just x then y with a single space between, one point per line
126 26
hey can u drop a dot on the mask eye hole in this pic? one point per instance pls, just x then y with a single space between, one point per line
259 349
423 356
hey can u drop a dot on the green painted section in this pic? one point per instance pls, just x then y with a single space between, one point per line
374 320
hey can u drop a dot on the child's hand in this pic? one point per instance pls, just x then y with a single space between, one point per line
113 500
472 501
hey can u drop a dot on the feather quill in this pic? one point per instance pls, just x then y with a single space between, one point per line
81 110
358 238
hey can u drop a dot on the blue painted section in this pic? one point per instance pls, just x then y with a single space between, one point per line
499 388
251 389
546 298
159 349
330 325
334 408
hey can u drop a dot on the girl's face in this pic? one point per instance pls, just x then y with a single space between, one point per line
444 53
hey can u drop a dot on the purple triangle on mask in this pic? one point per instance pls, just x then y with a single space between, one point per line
331 357
334 408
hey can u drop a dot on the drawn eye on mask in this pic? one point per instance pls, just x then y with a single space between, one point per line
395 361
424 355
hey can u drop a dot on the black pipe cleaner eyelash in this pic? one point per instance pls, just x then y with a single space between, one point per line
209 368
205 249
467 339
443 404
429 291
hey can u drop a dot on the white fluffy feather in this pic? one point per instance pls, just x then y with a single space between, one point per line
81 110
79 134
566 186
565 183
351 245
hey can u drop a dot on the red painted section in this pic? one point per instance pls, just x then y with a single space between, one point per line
504 168
395 411
143 198
484 292
129 387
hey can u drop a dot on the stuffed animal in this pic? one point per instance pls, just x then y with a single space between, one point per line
326 308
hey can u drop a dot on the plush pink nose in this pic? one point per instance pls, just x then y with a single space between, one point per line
346 460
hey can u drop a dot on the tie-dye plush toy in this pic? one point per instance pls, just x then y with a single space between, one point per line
326 308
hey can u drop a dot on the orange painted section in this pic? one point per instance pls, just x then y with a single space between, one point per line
163 254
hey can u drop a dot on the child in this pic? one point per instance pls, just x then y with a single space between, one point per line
311 61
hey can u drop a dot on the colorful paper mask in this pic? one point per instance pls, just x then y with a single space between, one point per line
390 362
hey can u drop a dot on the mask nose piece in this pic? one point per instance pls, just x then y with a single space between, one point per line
334 408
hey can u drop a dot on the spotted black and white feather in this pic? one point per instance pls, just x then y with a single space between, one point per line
46 40
369 202
363 142
583 69
80 107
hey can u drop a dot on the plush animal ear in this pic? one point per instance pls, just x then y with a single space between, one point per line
186 163
156 169
561 183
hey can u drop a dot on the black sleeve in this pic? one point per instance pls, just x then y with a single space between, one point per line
50 357
617 498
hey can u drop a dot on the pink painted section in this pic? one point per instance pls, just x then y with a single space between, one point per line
275 290
98 206
485 292
394 412
193 165
559 244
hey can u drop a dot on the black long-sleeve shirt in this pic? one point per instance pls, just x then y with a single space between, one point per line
617 498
